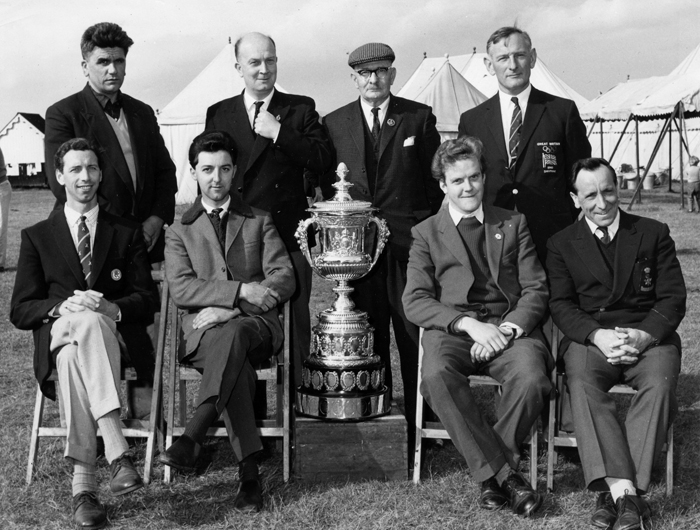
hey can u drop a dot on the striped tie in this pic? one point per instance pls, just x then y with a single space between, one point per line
516 124
84 252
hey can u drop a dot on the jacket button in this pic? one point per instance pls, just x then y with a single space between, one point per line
515 192
363 170
240 189
602 310
223 269
277 186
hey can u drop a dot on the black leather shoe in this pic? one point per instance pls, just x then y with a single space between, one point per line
632 513
524 500
492 495
605 514
249 497
123 476
182 454
88 512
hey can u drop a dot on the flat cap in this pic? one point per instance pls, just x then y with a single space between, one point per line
372 51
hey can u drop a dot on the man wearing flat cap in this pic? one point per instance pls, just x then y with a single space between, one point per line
388 144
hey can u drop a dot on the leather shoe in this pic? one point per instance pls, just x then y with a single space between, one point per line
492 495
632 512
524 500
249 497
124 477
88 512
182 455
605 514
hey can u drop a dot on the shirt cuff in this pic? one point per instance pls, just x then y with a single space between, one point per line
517 330
119 316
54 312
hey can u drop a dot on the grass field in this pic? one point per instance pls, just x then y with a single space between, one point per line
445 499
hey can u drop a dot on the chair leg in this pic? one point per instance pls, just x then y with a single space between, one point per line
533 456
418 449
669 462
34 441
172 371
551 433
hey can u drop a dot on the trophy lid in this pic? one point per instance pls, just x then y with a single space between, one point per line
341 201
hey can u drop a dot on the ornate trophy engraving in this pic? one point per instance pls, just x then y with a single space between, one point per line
342 378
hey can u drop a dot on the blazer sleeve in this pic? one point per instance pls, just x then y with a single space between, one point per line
58 128
577 145
429 144
420 297
277 266
532 302
164 173
305 141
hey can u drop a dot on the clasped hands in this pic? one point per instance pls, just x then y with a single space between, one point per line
621 345
88 300
489 340
253 299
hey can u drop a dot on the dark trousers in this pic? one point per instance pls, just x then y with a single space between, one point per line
225 357
379 294
300 328
522 371
604 448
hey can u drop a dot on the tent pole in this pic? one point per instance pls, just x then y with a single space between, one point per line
590 131
662 135
670 155
602 154
619 140
636 150
680 150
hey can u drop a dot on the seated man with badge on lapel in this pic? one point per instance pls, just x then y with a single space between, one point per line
618 295
84 288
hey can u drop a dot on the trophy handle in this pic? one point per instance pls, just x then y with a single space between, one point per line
303 240
382 236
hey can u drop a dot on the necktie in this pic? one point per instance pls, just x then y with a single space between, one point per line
516 124
375 127
603 234
113 109
216 220
258 104
84 252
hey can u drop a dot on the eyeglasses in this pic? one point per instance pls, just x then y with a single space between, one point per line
381 72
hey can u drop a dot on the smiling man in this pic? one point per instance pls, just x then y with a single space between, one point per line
476 286
618 296
531 139
277 136
83 287
387 143
227 268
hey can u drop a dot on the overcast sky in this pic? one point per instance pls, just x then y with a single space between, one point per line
591 44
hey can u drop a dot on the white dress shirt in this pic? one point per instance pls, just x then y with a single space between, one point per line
249 102
612 228
369 117
507 107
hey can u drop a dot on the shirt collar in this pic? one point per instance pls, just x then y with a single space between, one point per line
224 207
102 99
612 228
72 217
367 111
523 98
249 100
457 216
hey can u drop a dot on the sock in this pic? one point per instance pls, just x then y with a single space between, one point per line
248 467
84 478
111 429
503 473
204 416
619 487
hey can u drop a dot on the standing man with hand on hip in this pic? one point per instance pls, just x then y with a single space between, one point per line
388 144
531 139
277 136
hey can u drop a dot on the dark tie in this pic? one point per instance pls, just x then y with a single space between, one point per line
113 109
375 127
603 235
516 124
219 226
258 104
84 252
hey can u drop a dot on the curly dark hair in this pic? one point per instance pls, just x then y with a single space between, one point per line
104 35
212 142
75 144
450 151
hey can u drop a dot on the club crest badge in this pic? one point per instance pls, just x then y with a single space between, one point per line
116 275
498 236
647 280
278 117
390 122
548 151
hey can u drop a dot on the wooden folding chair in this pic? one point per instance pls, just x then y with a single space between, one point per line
556 437
436 429
277 370
152 430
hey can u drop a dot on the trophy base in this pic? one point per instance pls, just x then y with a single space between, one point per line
338 407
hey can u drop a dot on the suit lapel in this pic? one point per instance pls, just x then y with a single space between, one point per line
104 135
494 241
587 249
390 126
453 241
533 114
233 226
357 132
64 241
103 240
495 124
279 108
628 241
136 130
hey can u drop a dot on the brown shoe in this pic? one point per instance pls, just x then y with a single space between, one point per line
124 477
605 514
88 512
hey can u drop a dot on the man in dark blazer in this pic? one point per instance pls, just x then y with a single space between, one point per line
138 176
387 143
83 287
618 296
529 149
275 143
229 270
476 286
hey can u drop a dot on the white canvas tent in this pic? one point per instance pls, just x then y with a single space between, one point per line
183 118
445 90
